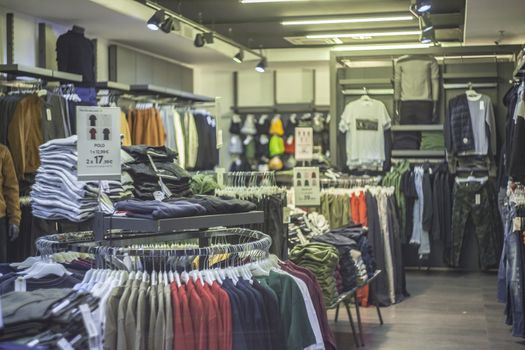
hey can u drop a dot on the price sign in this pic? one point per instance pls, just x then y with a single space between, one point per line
98 145
307 190
304 144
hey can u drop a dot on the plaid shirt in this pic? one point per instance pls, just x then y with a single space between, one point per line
459 136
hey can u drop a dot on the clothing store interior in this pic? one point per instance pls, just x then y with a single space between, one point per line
262 174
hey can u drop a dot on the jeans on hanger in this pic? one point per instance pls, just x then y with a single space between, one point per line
508 212
419 235
476 203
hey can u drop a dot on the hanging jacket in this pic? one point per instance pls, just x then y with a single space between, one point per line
459 136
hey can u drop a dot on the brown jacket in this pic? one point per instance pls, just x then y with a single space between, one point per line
25 135
9 200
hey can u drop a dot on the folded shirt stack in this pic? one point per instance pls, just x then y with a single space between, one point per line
183 207
57 194
44 316
322 260
151 164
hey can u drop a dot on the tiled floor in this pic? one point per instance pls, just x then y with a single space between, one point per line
446 310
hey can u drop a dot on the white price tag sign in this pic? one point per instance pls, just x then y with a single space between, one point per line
304 144
306 184
98 145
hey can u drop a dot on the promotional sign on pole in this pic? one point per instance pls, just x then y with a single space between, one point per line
306 184
304 144
98 146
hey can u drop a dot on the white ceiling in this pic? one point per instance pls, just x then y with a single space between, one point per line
121 21
485 18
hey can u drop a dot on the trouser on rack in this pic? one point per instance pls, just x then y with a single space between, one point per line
476 203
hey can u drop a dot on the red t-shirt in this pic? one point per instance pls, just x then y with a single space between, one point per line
199 315
225 312
211 333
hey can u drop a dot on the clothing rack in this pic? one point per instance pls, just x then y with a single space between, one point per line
469 86
104 224
359 92
85 242
250 178
352 181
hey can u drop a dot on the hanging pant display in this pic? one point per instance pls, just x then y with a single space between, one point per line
475 204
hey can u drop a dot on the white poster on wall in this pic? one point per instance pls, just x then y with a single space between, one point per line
307 190
304 144
98 146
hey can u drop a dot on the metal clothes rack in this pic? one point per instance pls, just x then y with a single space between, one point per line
106 224
250 178
127 244
351 181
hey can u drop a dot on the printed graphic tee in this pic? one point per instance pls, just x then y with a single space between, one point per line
364 122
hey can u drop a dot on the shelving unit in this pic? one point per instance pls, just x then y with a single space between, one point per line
417 153
154 90
418 127
39 73
112 85
365 82
105 223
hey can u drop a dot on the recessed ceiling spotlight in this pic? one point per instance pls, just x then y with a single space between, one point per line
155 20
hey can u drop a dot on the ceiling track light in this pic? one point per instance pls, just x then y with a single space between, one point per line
202 39
239 57
261 66
199 40
423 6
428 37
167 26
425 23
155 21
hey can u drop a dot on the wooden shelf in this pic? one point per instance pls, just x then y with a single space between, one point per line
472 76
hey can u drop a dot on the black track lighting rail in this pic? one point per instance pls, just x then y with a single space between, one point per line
199 27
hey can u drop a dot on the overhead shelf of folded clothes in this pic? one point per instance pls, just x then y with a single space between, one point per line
160 91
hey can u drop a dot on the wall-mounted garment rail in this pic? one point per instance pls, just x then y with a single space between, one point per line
359 92
41 73
467 86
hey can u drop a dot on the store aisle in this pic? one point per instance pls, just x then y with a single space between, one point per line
447 310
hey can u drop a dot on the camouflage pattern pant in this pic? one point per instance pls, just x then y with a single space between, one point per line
476 204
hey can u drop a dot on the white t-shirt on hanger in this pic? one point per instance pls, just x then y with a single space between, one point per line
364 122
